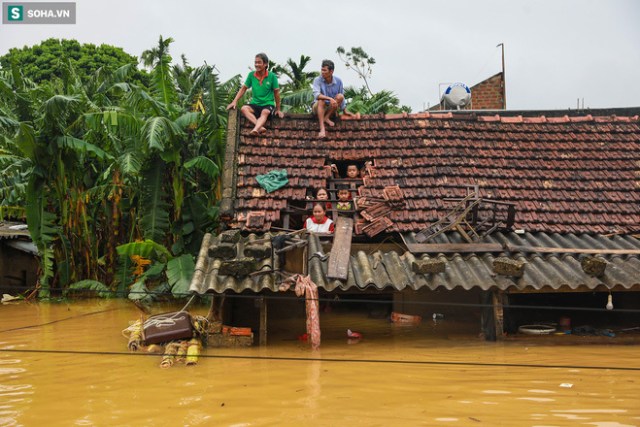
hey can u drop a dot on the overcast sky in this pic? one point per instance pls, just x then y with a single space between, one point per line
556 50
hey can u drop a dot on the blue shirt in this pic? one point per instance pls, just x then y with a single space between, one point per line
328 89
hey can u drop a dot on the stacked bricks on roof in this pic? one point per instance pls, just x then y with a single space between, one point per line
255 220
593 265
508 267
258 250
240 267
223 250
424 266
376 211
377 227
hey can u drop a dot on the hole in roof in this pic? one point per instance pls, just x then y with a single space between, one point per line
344 166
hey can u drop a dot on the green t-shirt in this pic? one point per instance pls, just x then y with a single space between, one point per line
262 94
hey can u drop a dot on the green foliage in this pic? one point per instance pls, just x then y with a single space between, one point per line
364 100
82 147
147 249
203 164
296 93
297 101
159 133
139 292
359 61
42 62
43 230
98 162
179 273
298 77
93 286
360 101
154 209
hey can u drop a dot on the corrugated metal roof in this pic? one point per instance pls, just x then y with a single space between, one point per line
206 277
379 270
390 269
24 246
13 230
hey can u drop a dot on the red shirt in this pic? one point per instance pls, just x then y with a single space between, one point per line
324 226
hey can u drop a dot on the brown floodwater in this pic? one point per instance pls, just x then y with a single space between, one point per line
67 364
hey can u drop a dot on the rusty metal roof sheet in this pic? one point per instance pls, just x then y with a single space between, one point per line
380 270
13 230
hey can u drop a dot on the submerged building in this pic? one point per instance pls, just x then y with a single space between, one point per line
483 206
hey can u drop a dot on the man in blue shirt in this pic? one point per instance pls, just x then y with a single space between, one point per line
328 96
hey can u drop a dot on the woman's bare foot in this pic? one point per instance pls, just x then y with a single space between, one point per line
329 122
263 129
322 134
254 131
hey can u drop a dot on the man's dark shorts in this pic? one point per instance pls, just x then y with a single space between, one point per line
257 109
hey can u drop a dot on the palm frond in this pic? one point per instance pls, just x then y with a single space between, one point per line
26 140
129 163
147 249
82 147
8 123
139 292
121 74
179 273
43 229
158 132
205 165
92 286
59 106
139 100
187 119
154 210
162 81
299 100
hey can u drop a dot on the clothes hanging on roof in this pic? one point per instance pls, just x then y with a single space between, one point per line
273 180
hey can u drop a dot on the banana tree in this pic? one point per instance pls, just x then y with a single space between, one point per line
52 160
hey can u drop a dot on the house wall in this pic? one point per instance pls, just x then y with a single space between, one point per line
17 269
487 95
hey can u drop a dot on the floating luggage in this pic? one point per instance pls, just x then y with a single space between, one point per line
167 327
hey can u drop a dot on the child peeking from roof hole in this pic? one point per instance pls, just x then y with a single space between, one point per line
322 194
352 172
344 200
319 222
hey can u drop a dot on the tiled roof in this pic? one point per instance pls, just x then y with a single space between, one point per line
565 174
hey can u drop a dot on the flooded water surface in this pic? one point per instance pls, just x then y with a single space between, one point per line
68 364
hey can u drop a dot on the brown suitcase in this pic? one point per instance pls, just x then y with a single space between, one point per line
167 327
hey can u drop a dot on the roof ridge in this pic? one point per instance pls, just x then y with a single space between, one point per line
480 117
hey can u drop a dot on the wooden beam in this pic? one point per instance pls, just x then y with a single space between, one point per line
341 249
449 248
263 321
229 173
498 313
549 250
